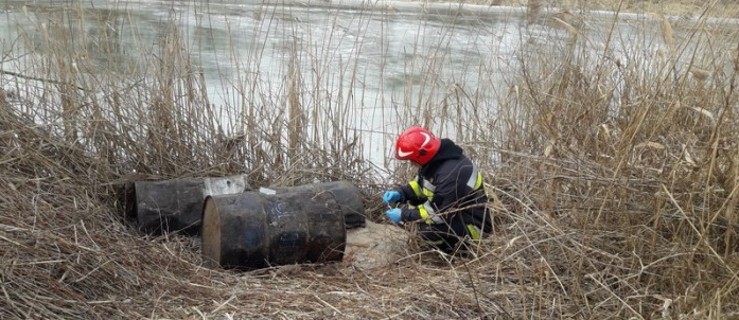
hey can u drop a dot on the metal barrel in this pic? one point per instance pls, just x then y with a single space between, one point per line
347 195
176 205
254 230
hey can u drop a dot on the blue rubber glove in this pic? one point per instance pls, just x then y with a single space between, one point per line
394 214
391 196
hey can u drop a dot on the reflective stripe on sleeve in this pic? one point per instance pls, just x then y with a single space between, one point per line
416 188
475 181
428 189
428 185
428 214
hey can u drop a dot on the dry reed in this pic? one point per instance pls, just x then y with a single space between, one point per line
615 198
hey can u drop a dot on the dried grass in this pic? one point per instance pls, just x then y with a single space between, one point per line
605 209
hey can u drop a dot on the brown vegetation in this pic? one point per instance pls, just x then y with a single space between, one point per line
616 196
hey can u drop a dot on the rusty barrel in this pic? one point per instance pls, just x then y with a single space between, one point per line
254 230
176 205
347 195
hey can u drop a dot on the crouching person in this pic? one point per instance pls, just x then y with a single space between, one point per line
447 196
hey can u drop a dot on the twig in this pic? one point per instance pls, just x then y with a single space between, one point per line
19 75
328 304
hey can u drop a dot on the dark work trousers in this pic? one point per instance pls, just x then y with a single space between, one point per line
448 237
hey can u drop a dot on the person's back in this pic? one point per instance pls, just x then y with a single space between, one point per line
447 196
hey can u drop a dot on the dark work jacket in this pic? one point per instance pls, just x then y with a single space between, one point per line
449 171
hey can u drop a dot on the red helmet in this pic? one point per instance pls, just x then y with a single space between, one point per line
417 144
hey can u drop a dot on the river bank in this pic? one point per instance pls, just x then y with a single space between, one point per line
538 11
682 8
